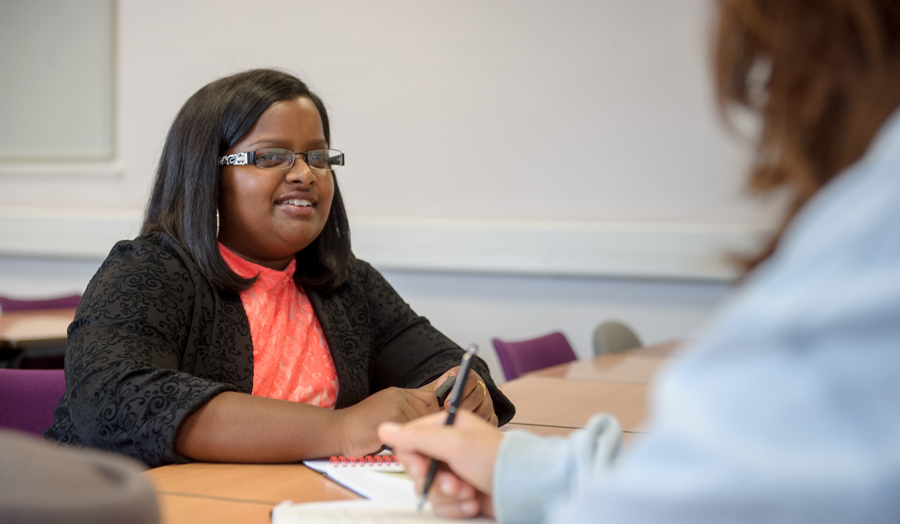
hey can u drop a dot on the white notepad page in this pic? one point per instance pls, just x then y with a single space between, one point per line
383 483
356 512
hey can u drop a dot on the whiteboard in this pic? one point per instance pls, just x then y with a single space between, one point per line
56 80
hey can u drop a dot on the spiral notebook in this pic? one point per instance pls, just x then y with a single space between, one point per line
375 477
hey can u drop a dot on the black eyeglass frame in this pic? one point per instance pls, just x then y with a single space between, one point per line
249 158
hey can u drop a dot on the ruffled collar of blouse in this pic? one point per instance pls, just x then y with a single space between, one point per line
270 280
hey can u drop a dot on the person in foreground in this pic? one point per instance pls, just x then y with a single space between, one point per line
42 483
239 327
787 409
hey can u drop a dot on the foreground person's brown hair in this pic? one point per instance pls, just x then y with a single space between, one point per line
823 76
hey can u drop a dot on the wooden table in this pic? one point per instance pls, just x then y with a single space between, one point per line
35 327
552 402
624 368
202 492
34 335
540 429
663 349
570 403
221 493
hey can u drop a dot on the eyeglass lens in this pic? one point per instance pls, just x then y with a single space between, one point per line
276 158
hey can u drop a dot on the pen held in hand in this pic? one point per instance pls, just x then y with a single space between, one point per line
455 399
443 391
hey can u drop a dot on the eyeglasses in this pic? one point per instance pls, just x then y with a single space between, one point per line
278 158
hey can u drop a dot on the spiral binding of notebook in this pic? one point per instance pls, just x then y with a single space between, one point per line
367 460
384 461
372 476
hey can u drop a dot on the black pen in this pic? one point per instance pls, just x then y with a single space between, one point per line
455 399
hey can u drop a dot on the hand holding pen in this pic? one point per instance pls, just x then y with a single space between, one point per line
468 448
455 398
475 395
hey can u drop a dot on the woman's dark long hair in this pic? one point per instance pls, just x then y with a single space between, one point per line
830 78
185 193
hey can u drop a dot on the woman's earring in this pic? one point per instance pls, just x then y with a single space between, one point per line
217 223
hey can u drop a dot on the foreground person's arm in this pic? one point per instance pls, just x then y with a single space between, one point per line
514 476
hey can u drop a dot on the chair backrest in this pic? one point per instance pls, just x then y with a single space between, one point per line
530 355
10 304
613 336
28 398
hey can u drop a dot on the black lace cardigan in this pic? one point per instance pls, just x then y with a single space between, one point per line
152 342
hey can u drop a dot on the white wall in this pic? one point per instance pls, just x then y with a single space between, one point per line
575 143
565 110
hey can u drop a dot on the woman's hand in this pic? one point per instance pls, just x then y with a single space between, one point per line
475 394
469 450
357 424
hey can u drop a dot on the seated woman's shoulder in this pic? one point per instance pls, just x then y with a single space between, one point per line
362 273
361 279
148 259
148 248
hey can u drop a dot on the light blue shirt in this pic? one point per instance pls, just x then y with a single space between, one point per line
786 410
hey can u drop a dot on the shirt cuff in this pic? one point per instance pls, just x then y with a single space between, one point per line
528 477
533 475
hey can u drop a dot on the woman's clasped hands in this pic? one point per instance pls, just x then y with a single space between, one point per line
359 423
475 394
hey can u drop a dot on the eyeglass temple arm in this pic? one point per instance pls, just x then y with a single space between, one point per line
238 159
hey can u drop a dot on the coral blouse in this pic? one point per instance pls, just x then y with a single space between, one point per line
291 359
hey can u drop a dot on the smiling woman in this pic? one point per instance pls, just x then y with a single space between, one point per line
239 327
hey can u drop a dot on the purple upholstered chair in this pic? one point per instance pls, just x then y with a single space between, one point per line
28 398
9 304
530 355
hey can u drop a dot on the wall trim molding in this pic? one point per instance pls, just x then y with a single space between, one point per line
62 169
65 233
695 251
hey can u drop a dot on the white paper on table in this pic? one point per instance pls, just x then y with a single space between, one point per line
357 511
379 483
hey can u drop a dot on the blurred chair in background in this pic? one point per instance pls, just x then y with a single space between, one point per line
530 355
28 398
9 304
613 336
